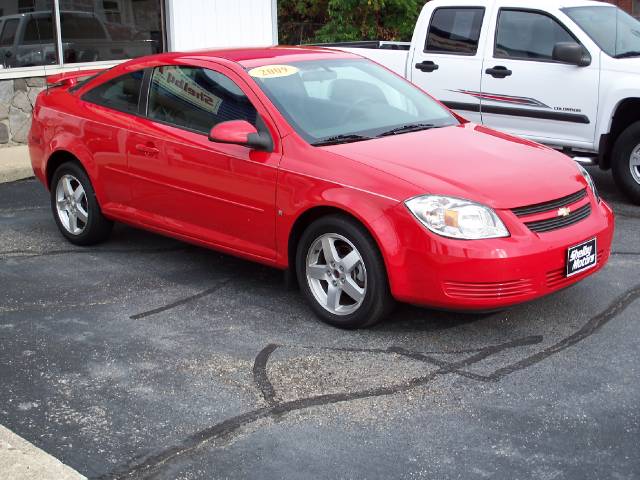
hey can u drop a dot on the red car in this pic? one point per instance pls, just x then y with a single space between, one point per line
323 163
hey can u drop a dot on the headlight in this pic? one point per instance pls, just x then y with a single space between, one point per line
589 180
457 218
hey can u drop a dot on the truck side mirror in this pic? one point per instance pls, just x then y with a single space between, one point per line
571 53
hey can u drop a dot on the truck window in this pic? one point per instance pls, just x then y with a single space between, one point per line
38 29
9 32
455 30
526 35
77 26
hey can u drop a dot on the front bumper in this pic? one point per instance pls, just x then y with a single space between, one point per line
430 270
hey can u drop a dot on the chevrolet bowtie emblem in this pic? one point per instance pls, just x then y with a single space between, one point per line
564 212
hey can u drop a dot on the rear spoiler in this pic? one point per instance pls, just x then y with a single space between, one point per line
69 79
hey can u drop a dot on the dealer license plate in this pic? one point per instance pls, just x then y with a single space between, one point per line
581 257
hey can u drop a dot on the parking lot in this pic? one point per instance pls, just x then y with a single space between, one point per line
145 357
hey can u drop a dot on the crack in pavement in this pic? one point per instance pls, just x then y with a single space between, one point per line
182 301
4 255
260 377
144 466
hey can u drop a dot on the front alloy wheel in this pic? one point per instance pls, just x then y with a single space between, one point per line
336 274
342 274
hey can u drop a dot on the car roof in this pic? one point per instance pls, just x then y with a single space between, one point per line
259 56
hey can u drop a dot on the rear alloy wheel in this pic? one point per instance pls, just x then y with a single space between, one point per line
71 204
625 162
342 274
75 207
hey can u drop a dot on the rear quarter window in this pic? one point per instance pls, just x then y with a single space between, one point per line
121 93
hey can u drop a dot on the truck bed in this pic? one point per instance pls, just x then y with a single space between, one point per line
392 55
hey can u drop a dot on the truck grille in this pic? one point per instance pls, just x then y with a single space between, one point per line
552 205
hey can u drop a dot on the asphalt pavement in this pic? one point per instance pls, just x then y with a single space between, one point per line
145 357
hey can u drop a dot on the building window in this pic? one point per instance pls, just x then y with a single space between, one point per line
90 31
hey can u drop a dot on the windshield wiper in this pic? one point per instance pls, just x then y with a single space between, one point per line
633 53
410 127
337 139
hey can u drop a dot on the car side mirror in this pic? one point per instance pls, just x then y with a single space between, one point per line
240 132
571 53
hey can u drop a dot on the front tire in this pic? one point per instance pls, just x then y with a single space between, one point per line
625 163
75 207
341 273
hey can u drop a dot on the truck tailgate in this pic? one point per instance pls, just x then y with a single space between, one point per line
395 60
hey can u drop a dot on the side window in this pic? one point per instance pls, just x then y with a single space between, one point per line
39 29
528 35
121 93
455 30
9 32
196 98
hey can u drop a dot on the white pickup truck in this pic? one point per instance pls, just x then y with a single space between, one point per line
565 73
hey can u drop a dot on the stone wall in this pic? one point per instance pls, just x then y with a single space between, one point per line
17 98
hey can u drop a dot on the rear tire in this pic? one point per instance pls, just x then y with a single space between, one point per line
75 207
342 274
625 162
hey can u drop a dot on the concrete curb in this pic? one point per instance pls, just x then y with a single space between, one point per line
19 460
15 164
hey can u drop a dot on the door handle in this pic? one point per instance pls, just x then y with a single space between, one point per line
499 71
147 150
427 66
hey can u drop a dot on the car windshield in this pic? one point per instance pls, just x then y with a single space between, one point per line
338 101
616 32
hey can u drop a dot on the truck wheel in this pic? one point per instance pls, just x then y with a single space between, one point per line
342 274
75 207
625 162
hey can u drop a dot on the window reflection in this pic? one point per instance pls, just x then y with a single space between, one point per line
27 33
91 30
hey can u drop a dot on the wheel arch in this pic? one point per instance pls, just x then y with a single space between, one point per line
626 112
310 215
56 159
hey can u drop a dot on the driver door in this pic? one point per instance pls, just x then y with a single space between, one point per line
222 194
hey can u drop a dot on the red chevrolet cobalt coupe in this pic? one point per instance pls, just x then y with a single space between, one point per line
323 163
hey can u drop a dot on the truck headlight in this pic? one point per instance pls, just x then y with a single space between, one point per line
589 180
456 218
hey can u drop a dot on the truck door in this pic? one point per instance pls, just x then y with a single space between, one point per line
525 92
447 55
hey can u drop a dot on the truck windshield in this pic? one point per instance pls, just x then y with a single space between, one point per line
347 100
613 30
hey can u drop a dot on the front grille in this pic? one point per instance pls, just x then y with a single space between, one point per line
552 205
555 223
558 277
488 290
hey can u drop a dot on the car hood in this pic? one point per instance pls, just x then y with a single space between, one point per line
473 162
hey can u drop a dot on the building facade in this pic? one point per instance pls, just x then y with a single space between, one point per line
43 37
630 6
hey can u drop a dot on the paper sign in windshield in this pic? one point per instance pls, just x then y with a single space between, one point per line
273 71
